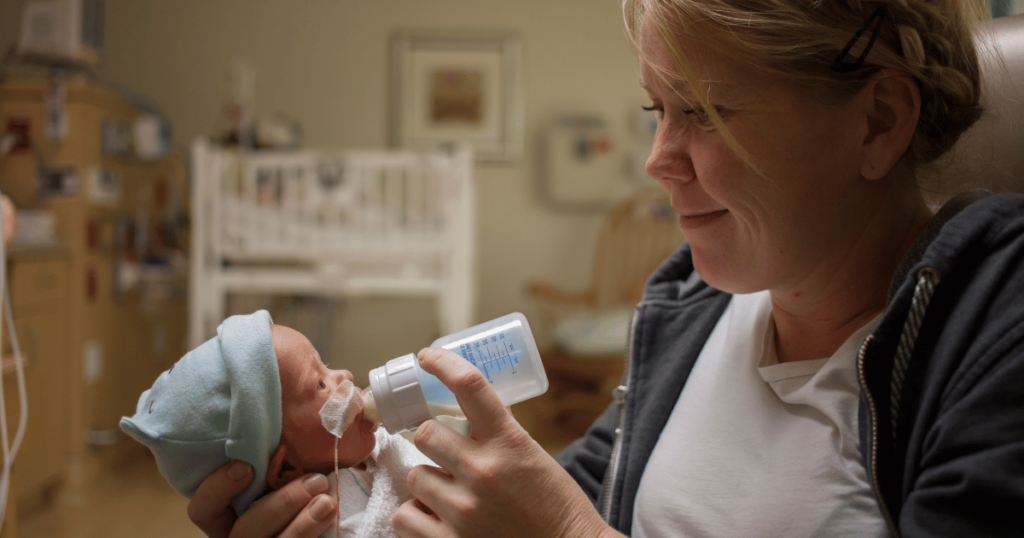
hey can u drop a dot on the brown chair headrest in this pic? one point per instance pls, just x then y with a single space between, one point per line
991 153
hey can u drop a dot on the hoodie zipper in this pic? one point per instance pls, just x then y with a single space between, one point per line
620 400
873 418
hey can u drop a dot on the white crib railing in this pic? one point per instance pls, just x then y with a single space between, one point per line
331 223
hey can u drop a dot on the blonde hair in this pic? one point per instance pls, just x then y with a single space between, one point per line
797 40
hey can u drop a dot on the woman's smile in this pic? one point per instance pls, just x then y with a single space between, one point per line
700 220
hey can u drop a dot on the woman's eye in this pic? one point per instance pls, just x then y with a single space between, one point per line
701 114
659 112
321 386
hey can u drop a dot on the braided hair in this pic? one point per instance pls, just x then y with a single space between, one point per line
930 40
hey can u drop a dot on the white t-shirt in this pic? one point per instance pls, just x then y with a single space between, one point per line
758 448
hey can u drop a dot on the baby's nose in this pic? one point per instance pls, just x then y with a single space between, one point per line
342 375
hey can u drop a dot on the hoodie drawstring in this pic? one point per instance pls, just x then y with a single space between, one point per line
927 279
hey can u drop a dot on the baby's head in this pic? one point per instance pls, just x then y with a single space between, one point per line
252 393
306 385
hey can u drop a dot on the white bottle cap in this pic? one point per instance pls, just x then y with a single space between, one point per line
396 390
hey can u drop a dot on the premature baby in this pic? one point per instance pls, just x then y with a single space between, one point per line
255 393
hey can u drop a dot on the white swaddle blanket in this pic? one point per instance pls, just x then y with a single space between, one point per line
368 500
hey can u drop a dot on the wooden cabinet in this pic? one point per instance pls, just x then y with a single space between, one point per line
9 527
39 299
115 341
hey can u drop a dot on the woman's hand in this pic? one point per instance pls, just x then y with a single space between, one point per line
298 510
496 482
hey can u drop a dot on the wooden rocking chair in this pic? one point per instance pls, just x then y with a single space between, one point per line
583 332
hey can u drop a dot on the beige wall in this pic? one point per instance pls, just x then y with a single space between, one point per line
324 62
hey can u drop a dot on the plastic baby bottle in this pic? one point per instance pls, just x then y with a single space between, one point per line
402 396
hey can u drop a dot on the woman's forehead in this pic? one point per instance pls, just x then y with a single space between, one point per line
718 87
659 66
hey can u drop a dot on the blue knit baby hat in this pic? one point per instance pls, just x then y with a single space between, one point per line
220 402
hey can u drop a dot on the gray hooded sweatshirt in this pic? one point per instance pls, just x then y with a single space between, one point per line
942 380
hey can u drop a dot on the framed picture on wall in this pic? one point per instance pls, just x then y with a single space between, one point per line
452 87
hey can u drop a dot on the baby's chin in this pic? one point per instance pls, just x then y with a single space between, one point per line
368 439
357 444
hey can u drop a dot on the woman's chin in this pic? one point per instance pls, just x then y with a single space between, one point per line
734 277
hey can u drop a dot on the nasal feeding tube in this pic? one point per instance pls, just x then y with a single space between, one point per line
402 396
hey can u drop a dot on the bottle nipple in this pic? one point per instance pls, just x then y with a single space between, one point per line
370 407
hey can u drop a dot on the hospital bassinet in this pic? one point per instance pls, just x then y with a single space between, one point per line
335 223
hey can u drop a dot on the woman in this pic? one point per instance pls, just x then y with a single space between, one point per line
825 356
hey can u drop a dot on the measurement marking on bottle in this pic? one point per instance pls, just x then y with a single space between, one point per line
490 360
496 354
511 359
509 353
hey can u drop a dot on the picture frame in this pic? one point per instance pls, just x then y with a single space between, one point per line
458 87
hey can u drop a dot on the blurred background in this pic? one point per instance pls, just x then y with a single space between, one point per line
375 174
106 102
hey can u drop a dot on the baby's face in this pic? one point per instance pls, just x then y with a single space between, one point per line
306 385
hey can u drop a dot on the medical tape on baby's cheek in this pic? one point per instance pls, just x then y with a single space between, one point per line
341 408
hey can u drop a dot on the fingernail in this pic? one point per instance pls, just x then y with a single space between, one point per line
321 509
315 484
239 470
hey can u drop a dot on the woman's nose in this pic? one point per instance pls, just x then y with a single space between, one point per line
670 157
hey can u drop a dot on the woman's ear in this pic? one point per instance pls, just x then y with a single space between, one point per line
280 471
893 105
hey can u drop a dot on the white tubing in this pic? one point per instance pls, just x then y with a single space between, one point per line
5 475
19 366
10 451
